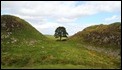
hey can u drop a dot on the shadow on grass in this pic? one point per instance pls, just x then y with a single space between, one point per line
61 40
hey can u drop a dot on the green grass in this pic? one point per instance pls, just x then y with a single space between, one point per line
55 66
56 54
34 50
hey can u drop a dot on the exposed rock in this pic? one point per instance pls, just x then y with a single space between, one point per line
13 40
105 40
3 25
31 42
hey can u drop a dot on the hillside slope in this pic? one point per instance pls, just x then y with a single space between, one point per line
15 30
16 26
16 33
102 35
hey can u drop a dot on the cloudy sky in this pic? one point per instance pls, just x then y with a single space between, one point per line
46 16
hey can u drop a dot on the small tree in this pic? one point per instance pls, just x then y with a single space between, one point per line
60 32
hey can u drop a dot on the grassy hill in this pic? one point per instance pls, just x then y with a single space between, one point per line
106 38
25 47
15 30
16 27
104 35
17 33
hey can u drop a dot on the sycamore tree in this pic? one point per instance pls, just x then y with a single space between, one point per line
60 32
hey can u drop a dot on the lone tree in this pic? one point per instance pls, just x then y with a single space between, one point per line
60 32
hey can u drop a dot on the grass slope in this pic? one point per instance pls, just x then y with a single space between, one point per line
58 55
101 35
17 32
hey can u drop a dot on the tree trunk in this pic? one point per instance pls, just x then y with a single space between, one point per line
60 38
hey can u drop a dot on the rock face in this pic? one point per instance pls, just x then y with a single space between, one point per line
101 34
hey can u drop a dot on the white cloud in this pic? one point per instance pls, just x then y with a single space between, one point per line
65 20
64 13
60 9
47 28
113 18
48 25
108 6
72 28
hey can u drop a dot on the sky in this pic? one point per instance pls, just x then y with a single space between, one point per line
46 16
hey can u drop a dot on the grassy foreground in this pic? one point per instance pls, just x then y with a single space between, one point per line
53 54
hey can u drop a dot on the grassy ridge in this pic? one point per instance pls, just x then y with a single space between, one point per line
17 32
106 36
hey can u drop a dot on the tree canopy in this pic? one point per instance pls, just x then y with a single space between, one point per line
60 32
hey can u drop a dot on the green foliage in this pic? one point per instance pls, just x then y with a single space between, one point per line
60 32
